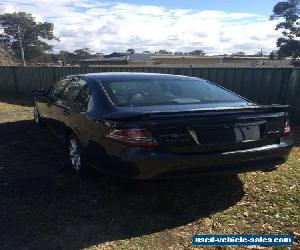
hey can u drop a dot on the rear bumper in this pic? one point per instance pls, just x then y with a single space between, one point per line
146 163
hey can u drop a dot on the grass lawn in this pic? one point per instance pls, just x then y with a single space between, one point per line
44 206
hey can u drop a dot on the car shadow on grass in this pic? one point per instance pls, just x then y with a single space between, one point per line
44 206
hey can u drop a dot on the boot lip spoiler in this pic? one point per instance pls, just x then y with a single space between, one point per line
126 114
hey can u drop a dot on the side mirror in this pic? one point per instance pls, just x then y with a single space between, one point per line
38 92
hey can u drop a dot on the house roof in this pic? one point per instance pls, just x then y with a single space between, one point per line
123 57
205 57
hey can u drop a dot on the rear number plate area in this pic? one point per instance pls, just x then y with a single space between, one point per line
228 133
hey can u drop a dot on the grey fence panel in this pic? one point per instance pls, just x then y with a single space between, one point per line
263 85
293 94
7 79
220 78
237 80
204 73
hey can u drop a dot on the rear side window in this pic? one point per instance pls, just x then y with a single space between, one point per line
56 90
150 92
72 90
83 97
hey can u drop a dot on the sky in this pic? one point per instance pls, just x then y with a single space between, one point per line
215 26
263 7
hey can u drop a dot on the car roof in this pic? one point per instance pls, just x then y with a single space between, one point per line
132 75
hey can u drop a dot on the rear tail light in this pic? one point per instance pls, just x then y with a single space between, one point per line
287 128
134 137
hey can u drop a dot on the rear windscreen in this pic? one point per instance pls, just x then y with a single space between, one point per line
149 92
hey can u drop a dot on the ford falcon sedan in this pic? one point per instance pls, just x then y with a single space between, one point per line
144 126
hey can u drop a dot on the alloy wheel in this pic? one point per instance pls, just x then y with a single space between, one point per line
74 154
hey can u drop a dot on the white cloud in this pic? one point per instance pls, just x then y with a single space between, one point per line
109 26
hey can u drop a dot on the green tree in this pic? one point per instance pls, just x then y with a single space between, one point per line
66 57
198 52
164 52
273 55
83 53
289 44
131 51
20 30
240 53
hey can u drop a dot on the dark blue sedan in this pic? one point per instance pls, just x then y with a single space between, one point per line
142 126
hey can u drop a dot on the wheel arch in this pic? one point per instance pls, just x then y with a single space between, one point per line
68 132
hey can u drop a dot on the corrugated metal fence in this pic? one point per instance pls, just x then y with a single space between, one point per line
263 85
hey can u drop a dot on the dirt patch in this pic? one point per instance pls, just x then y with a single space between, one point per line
6 59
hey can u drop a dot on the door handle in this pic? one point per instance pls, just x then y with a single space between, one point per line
66 112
